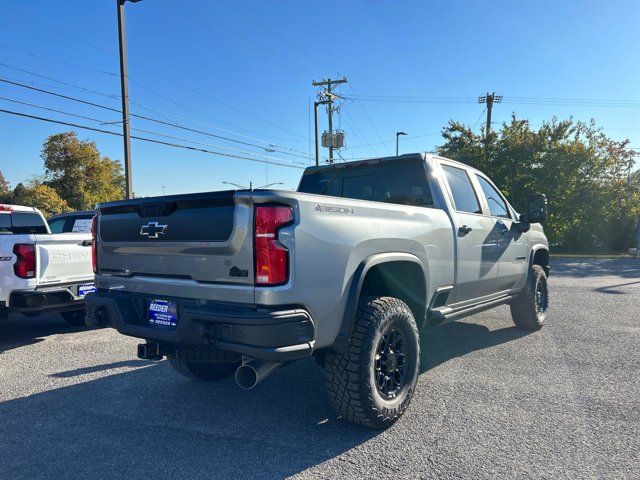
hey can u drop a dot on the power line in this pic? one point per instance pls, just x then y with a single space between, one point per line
144 139
142 117
369 118
243 41
59 81
280 37
142 106
409 138
167 79
552 101
356 131
150 132
61 62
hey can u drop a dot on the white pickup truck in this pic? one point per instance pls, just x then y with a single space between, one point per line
41 271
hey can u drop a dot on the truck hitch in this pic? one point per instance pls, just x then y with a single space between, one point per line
150 351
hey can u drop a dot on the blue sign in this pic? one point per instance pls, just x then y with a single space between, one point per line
163 313
86 288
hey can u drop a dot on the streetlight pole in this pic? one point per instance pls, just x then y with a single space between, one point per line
126 130
398 141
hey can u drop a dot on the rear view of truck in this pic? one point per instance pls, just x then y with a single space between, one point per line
181 272
41 271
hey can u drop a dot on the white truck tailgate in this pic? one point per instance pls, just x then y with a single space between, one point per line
63 258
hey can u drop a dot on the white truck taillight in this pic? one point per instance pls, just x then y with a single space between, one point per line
271 257
25 266
94 243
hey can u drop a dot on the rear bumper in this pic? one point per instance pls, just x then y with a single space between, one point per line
267 333
34 301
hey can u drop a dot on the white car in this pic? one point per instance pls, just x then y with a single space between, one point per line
41 271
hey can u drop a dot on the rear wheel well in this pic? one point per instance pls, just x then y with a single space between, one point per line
403 280
541 257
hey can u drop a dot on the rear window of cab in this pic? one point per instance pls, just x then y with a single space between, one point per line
395 182
20 223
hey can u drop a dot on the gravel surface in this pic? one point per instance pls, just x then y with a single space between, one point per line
493 402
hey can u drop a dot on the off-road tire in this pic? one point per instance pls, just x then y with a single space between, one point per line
216 367
529 309
75 318
350 377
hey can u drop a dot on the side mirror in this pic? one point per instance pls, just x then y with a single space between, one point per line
536 208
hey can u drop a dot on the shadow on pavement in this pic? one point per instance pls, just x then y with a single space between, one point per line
595 267
19 330
100 368
151 422
615 289
440 344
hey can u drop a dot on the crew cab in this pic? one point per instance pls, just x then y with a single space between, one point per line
41 271
349 268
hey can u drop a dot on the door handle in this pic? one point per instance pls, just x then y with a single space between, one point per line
464 230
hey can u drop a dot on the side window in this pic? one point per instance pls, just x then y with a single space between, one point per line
497 206
464 196
81 225
56 226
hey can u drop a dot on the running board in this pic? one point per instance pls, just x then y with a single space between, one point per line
445 314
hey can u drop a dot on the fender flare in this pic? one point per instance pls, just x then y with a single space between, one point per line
343 339
535 249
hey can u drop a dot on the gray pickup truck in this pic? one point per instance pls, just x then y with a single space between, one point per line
349 268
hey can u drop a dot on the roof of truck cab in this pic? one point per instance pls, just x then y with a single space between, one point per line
378 160
72 214
5 208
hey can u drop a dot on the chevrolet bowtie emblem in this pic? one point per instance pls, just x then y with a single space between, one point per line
152 230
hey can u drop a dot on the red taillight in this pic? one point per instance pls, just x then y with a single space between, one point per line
25 266
94 243
272 258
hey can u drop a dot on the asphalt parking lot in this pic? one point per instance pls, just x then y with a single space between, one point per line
493 402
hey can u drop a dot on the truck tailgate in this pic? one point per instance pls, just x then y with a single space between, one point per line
63 258
202 237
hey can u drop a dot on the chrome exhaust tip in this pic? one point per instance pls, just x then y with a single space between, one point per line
250 374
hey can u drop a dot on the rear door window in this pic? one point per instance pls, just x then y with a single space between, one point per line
462 191
403 183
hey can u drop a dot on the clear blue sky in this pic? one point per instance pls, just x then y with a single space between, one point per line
245 67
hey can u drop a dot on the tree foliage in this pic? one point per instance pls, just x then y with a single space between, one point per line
5 189
40 196
76 171
594 200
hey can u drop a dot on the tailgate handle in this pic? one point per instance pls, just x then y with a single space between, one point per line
87 243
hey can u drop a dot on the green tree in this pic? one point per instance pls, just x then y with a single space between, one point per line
5 189
586 176
77 172
40 196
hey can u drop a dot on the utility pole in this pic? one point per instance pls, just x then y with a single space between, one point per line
126 130
315 123
327 97
489 99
